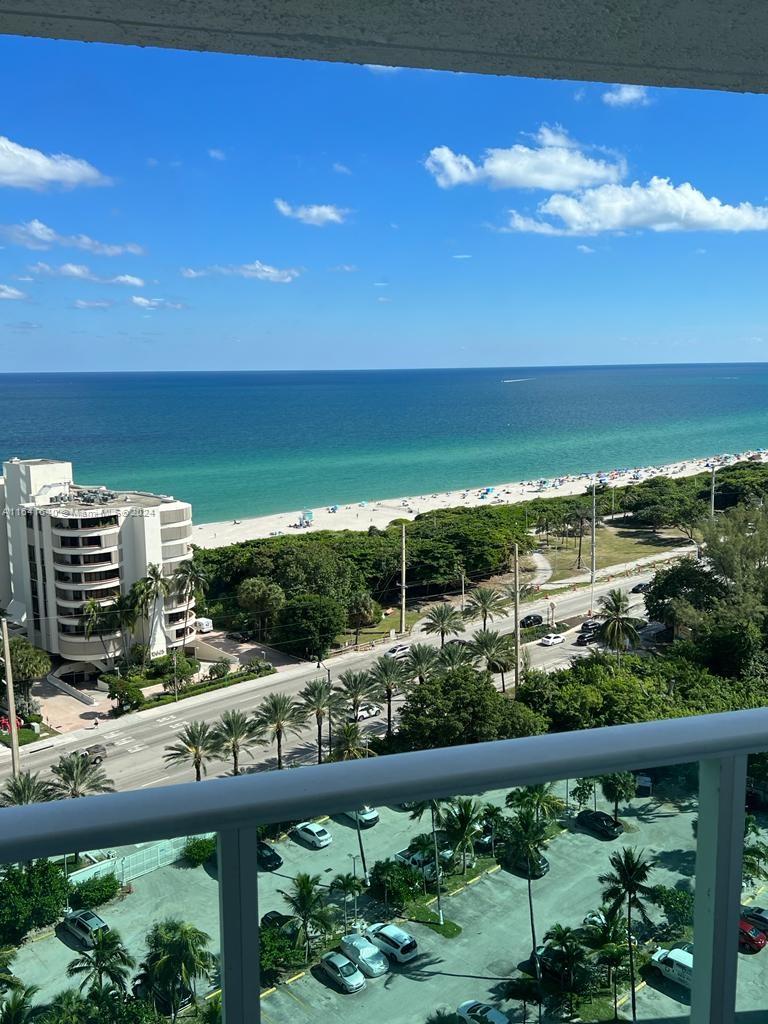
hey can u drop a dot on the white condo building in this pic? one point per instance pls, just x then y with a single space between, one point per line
62 544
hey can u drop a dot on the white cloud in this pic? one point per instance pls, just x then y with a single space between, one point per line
557 162
579 95
381 69
462 256
341 168
95 304
383 298
381 284
33 234
657 206
256 270
318 215
21 167
217 154
587 250
83 273
345 268
144 303
6 292
627 96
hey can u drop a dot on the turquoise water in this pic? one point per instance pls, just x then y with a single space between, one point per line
250 443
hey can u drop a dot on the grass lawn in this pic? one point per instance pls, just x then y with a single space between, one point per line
381 630
616 545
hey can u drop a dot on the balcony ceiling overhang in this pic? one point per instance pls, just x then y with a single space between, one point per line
710 44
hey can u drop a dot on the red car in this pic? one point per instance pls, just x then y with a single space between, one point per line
750 937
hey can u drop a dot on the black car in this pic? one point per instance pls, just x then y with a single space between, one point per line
590 625
531 620
274 919
588 637
640 588
600 824
538 868
267 858
457 643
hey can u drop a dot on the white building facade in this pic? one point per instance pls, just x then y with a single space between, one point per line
62 544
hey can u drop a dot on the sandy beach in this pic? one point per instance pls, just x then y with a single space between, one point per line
361 515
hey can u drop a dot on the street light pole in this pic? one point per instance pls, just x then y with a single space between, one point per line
10 697
594 561
517 622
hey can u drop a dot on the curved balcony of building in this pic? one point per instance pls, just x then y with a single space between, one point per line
77 648
110 543
78 527
176 532
77 596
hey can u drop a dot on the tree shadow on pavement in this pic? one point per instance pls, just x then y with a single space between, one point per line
683 862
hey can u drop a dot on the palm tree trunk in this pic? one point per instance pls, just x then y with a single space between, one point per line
615 993
440 917
533 925
442 639
631 960
485 620
279 738
503 685
319 739
389 712
198 774
235 760
366 878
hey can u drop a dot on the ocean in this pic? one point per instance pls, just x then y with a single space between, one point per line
250 443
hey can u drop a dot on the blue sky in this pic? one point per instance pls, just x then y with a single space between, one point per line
167 210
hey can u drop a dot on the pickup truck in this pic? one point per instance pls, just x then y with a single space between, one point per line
420 862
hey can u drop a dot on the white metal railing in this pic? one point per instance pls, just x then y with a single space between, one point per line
233 807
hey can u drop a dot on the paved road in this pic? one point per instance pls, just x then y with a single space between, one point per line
136 742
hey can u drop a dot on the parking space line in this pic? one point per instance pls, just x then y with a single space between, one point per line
267 992
298 999
295 977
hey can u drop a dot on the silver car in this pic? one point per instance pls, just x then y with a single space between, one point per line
364 955
343 972
86 926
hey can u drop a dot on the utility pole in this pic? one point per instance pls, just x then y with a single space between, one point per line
462 591
517 622
175 679
594 561
712 495
402 578
10 697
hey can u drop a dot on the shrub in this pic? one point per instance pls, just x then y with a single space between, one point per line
93 892
198 850
126 693
277 953
219 669
394 883
34 895
677 905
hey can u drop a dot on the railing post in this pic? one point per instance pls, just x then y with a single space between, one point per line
239 917
719 849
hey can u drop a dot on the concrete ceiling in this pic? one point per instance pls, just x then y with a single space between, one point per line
711 44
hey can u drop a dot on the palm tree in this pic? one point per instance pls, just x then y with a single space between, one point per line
68 1007
455 656
308 908
95 618
462 821
421 661
317 699
625 885
540 799
196 743
618 629
278 714
158 587
493 817
607 929
123 611
140 601
417 811
235 733
356 688
616 787
527 836
188 578
17 1007
107 962
613 955
496 650
348 743
25 788
7 977
177 955
389 677
348 886
566 941
444 620
486 603
423 844
75 776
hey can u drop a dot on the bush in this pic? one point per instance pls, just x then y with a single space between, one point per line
198 850
126 693
93 892
394 883
33 896
220 669
277 953
677 905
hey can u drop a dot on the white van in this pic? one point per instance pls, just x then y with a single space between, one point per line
367 816
675 964
203 625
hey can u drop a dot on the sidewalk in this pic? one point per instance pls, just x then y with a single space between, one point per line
623 568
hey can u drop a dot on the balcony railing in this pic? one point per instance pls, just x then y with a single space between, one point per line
234 807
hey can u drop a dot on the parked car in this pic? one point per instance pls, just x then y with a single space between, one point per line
364 954
675 964
528 621
94 754
85 925
313 834
456 642
399 651
552 962
551 639
397 944
343 972
600 824
366 816
590 625
483 842
267 858
756 916
274 919
640 588
239 638
184 997
364 712
538 868
480 1013
587 638
750 936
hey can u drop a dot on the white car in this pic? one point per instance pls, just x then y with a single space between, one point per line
396 943
480 1013
551 639
399 651
343 972
364 712
366 816
313 834
364 955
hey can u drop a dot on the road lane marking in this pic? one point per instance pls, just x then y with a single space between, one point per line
122 743
136 749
